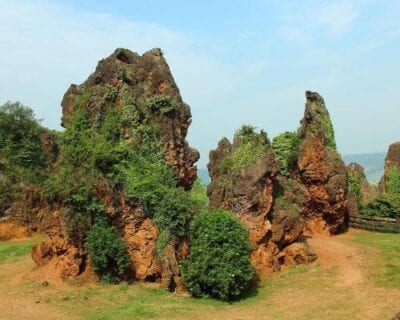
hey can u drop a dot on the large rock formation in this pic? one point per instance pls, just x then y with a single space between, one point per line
262 199
321 170
143 86
127 80
300 184
392 160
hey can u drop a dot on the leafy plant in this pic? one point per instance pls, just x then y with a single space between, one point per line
285 146
355 186
107 251
161 103
393 179
323 125
219 261
251 145
385 205
152 183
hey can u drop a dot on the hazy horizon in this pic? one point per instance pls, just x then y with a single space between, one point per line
234 62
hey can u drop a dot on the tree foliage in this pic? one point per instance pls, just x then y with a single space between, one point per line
22 159
219 262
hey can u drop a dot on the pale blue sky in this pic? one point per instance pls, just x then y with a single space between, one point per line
235 61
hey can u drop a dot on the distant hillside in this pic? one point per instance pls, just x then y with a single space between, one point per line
372 162
202 173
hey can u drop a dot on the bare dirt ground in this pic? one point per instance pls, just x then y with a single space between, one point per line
338 286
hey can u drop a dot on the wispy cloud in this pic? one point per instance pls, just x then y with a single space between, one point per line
338 17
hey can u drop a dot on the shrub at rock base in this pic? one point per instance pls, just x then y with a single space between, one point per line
219 261
107 251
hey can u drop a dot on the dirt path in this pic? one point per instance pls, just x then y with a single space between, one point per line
19 300
334 253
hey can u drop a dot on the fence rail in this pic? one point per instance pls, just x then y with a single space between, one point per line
374 223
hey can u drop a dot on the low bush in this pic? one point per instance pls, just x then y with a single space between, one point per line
219 261
385 205
107 251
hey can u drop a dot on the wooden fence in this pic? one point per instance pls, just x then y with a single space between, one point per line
374 223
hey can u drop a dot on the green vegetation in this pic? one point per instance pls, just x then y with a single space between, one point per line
393 180
387 273
219 262
108 252
385 205
22 159
251 145
355 186
285 146
11 251
161 103
324 125
147 179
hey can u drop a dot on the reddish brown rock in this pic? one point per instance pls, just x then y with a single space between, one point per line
59 255
321 170
31 210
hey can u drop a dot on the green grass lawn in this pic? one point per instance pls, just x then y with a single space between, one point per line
11 251
386 270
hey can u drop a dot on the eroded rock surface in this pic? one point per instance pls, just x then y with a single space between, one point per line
321 170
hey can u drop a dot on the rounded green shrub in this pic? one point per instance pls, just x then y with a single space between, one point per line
107 251
219 261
